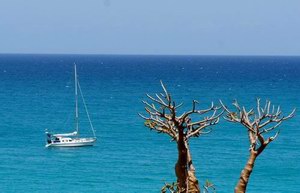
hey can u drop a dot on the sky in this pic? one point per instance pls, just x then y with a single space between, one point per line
162 27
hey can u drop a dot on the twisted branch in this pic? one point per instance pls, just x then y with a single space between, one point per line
162 116
263 117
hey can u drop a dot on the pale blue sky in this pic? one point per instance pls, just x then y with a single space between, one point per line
224 27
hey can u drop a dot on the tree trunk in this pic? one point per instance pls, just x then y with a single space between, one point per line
185 171
245 174
181 165
193 184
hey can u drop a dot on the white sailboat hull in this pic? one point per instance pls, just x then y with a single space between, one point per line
78 142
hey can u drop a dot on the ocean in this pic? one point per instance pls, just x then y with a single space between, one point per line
37 92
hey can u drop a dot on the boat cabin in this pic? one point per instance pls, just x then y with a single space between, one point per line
65 139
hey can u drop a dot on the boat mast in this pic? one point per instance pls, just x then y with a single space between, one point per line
76 102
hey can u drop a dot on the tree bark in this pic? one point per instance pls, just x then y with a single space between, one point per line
193 184
245 174
185 171
181 165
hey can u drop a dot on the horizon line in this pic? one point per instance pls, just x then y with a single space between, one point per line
203 55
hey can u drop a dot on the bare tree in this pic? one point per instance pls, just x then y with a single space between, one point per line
259 124
163 118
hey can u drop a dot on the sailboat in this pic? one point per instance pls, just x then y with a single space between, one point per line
72 139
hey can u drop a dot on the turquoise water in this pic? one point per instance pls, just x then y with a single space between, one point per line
36 92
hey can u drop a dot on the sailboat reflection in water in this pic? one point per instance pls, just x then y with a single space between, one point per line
72 139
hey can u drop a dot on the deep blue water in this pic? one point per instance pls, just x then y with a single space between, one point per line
36 92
